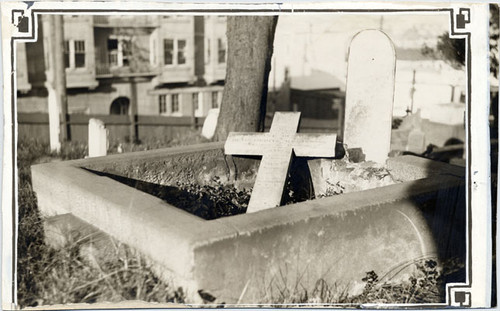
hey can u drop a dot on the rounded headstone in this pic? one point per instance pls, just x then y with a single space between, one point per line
370 94
208 130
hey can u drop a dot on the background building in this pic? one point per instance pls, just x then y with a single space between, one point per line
165 65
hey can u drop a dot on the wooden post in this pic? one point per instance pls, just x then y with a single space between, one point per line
193 109
134 135
52 98
60 75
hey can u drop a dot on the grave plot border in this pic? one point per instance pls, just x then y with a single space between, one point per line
116 209
464 30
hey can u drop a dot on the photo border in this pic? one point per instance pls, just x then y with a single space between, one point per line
32 12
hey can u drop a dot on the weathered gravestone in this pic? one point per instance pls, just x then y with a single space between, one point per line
98 138
276 149
54 119
208 129
370 95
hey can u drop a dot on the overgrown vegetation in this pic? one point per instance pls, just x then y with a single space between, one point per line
425 285
48 276
213 201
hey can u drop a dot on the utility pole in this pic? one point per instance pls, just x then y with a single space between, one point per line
52 98
134 133
409 110
60 75
199 62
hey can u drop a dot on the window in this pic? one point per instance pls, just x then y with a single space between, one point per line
181 52
175 103
113 52
120 106
174 51
126 52
168 48
221 47
196 103
66 54
119 51
215 99
163 103
74 54
79 54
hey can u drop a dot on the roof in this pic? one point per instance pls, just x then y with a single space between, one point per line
316 80
412 54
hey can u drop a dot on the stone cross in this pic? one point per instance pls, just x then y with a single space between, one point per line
370 94
98 138
276 148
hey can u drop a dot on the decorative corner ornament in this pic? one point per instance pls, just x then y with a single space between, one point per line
463 17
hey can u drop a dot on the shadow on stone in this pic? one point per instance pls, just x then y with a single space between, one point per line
208 202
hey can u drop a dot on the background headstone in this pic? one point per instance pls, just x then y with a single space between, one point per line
208 130
370 94
54 119
98 138
416 141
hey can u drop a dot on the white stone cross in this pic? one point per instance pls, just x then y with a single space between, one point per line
276 148
370 94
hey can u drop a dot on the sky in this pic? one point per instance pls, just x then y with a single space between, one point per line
321 41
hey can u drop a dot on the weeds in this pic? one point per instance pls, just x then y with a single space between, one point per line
425 285
47 276
212 201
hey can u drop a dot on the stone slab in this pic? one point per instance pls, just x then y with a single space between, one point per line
370 94
98 138
222 256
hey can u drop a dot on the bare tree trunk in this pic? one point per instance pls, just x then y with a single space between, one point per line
250 48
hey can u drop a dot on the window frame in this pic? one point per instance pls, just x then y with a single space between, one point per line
70 53
162 104
79 52
176 52
176 107
119 52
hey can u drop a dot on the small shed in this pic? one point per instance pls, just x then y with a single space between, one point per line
318 95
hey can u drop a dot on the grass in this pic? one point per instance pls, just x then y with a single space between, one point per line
48 276
425 285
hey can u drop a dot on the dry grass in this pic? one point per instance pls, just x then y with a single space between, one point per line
48 276
425 285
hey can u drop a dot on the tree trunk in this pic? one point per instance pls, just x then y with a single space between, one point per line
250 47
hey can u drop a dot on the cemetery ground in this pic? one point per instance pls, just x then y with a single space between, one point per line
72 274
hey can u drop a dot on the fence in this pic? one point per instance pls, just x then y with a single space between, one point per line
36 125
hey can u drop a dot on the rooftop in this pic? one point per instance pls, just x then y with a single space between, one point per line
316 80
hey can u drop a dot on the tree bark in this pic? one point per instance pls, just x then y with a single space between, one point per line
250 48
